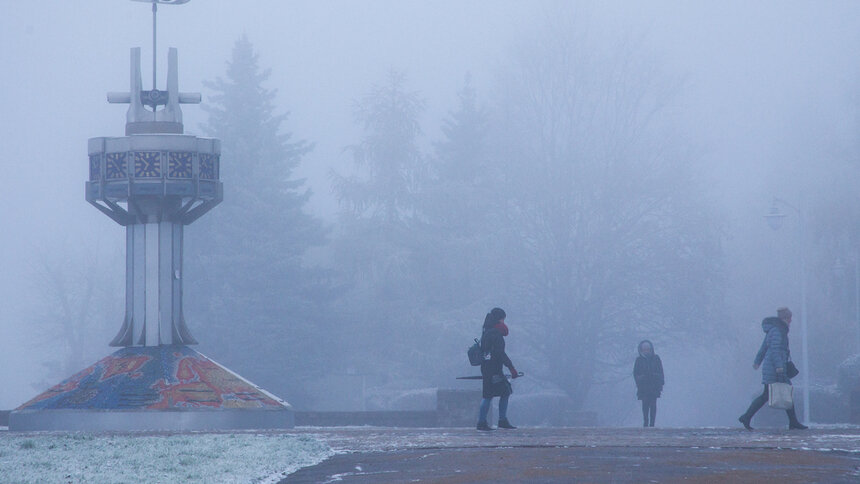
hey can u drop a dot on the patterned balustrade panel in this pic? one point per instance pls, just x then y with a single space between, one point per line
153 165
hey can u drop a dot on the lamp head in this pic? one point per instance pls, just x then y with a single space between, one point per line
775 217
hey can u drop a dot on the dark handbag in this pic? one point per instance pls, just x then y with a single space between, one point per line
791 371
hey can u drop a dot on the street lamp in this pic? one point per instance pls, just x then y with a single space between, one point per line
775 218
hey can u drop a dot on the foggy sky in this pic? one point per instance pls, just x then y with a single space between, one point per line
766 91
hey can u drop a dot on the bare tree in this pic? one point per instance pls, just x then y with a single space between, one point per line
78 308
607 239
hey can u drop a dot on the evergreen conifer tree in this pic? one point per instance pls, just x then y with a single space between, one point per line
376 247
252 302
455 204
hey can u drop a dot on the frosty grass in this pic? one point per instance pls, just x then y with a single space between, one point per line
209 458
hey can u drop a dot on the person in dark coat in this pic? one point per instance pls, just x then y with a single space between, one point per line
495 384
648 374
772 357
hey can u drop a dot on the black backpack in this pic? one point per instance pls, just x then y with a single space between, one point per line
475 353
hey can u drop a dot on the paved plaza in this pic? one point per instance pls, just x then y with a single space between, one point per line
697 455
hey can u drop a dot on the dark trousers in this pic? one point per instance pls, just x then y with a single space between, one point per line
761 400
649 411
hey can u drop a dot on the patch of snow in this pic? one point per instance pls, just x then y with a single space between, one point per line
836 426
847 451
190 458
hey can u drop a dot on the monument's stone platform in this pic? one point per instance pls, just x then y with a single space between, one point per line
168 387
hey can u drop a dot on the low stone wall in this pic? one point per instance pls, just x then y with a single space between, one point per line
458 408
454 408
404 418
581 419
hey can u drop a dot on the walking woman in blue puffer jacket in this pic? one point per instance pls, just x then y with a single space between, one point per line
773 357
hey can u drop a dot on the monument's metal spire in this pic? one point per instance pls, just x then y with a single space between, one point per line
154 31
154 181
169 119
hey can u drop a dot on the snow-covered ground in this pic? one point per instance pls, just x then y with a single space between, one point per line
187 458
267 457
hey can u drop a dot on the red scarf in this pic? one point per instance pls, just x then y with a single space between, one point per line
502 328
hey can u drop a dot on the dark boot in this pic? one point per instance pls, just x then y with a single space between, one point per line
754 407
504 424
793 423
484 426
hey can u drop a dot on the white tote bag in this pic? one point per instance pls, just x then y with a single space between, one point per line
780 395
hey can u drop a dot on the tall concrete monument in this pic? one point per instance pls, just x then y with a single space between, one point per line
154 181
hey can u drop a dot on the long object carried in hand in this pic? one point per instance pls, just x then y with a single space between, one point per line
478 377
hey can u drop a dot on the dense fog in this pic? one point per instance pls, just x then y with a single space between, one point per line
394 169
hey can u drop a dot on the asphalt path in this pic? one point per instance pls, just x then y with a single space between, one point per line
536 455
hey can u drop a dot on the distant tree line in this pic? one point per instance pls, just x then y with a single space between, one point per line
570 198
565 190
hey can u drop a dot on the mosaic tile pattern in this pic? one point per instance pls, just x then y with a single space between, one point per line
155 378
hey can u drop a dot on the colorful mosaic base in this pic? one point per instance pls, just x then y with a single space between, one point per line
95 167
179 165
147 164
115 165
208 166
153 378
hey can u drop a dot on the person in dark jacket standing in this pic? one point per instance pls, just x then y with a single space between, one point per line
648 374
495 384
772 357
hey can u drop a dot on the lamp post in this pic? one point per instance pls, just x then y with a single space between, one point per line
775 218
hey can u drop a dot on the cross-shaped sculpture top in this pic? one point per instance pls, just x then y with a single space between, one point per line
139 119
